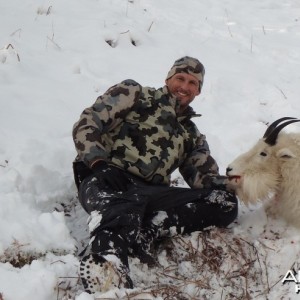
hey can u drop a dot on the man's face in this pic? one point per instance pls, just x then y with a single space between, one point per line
184 87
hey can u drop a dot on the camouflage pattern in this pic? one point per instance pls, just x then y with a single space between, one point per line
139 130
188 65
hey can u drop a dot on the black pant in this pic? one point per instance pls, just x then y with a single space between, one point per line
122 221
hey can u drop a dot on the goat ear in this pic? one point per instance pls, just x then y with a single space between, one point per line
285 153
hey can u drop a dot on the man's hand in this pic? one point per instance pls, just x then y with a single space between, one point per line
232 184
112 176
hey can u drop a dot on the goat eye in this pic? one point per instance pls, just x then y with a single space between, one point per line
263 153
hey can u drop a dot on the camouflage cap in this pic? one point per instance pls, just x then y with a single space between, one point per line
188 65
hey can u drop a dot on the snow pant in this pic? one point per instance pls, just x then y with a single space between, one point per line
124 222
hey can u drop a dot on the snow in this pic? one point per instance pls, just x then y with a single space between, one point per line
57 57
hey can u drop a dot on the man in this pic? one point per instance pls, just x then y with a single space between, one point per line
129 143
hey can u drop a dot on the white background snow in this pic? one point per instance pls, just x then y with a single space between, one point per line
56 57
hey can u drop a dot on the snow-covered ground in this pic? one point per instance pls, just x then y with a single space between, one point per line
56 57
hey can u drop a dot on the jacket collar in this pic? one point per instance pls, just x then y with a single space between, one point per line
189 112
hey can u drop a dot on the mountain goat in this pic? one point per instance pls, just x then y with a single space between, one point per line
271 171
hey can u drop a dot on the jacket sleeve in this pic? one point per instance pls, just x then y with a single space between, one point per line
103 116
199 169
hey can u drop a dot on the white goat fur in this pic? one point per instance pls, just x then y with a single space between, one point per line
274 176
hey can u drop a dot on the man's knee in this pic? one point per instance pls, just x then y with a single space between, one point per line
228 209
218 208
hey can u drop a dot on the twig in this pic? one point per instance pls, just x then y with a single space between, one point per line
127 8
226 12
42 11
150 26
267 275
54 262
48 10
229 31
11 46
233 250
12 34
264 245
280 278
285 97
51 40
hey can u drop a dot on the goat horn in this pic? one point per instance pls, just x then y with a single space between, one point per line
274 124
272 137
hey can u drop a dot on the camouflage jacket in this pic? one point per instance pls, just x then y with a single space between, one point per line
137 129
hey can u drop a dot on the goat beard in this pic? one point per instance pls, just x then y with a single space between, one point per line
254 188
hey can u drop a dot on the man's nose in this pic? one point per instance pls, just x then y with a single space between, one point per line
184 85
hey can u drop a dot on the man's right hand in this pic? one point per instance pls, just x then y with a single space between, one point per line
110 175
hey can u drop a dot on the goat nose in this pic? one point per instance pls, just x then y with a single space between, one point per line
228 169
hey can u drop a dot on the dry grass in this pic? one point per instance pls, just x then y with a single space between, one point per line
214 264
17 256
218 263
